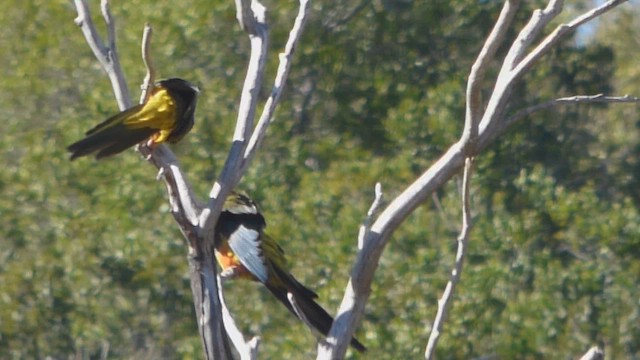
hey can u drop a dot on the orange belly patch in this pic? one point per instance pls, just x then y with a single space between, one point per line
229 261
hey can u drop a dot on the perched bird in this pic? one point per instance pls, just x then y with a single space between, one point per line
243 250
167 115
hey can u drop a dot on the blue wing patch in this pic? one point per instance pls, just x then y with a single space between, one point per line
245 243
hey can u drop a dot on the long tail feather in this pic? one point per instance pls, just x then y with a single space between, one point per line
109 141
315 315
115 119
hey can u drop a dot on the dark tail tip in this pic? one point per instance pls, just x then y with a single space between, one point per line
78 149
358 345
73 156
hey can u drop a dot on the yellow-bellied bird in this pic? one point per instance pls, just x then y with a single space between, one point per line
167 115
243 250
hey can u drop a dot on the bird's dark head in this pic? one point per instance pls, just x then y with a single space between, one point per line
180 88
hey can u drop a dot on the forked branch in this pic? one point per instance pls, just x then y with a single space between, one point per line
492 122
463 239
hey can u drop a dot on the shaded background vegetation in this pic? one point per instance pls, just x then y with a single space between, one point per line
91 262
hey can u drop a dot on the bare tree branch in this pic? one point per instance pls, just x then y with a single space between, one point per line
366 224
196 222
248 350
107 56
150 77
516 63
507 77
560 32
463 239
184 207
286 58
478 69
539 19
207 296
577 99
111 26
595 353
183 202
359 285
253 21
246 140
251 16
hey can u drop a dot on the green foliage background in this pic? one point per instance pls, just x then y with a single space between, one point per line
91 262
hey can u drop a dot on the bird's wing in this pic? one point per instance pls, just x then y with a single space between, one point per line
245 243
115 120
159 112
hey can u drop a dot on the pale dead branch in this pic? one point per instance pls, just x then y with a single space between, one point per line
492 122
463 239
577 99
106 55
196 221
150 77
595 353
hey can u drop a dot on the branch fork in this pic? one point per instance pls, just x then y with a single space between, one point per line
196 220
484 121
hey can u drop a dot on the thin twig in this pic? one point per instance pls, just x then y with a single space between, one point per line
474 104
359 286
539 19
443 215
463 238
366 224
253 21
241 156
507 78
577 99
560 32
85 22
516 63
107 56
184 205
248 350
330 25
149 78
111 26
286 58
327 348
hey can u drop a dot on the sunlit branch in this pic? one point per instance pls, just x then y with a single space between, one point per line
286 58
107 56
463 239
451 162
248 350
184 207
595 353
150 77
577 99
474 104
252 19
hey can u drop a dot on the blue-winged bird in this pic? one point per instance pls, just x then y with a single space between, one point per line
243 250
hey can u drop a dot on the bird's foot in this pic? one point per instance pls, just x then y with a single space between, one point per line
228 274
